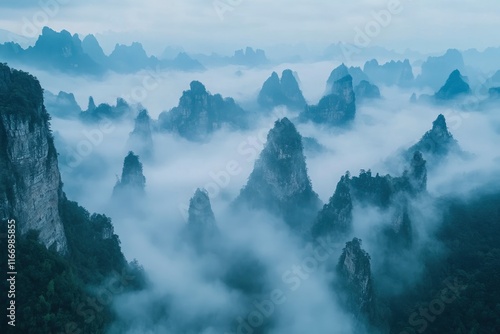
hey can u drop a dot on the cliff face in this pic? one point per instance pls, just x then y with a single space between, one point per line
284 91
31 184
279 182
132 181
141 139
200 113
355 275
335 109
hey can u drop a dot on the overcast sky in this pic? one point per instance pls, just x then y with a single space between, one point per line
196 25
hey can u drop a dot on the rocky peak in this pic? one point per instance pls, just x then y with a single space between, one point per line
335 109
132 181
435 70
91 105
30 184
366 91
200 113
285 92
279 182
418 172
336 216
338 73
355 274
201 216
141 139
436 142
455 86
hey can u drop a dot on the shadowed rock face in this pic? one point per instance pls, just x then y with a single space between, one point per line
200 113
279 182
30 185
454 87
201 220
336 109
355 275
141 139
132 181
284 91
366 91
435 143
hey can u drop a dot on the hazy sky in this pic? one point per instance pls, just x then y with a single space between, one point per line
425 25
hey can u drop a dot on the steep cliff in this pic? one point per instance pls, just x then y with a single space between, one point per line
356 280
132 182
141 139
279 182
31 186
200 113
284 91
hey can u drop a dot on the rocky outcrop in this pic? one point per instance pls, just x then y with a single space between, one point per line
30 190
132 182
199 114
355 276
335 109
336 216
201 227
105 111
141 139
279 182
284 91
455 87
366 91
435 143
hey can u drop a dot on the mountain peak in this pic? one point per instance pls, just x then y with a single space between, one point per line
200 211
279 182
436 142
197 88
455 86
132 181
285 92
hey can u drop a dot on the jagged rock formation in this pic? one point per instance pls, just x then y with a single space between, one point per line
384 192
454 87
132 182
62 105
284 91
366 91
436 69
435 143
201 227
354 271
106 111
336 216
141 139
55 51
398 73
30 187
279 182
200 113
337 108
